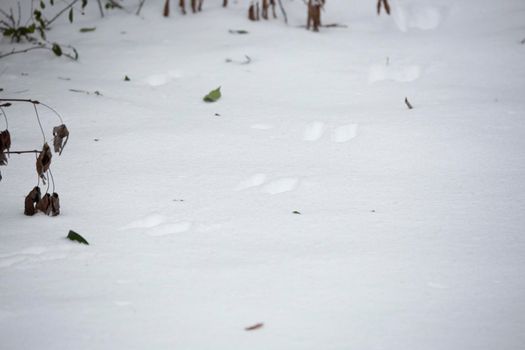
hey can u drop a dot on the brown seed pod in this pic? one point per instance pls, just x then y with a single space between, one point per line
31 199
5 144
5 140
44 205
55 204
44 160
61 135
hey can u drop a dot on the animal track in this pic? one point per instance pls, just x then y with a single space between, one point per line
146 222
34 255
314 131
281 185
162 79
344 133
402 74
419 16
156 225
273 187
169 229
262 126
253 181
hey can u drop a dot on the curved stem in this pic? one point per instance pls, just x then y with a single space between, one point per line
39 123
5 117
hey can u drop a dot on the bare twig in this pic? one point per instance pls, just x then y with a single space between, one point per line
101 9
408 103
22 152
283 11
61 12
140 7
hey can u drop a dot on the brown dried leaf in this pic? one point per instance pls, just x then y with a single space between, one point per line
61 135
5 140
254 327
44 160
55 204
32 198
44 205
3 158
5 144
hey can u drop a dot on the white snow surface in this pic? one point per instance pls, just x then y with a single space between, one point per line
411 225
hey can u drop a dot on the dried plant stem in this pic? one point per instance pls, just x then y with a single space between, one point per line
22 152
5 117
39 123
408 103
61 12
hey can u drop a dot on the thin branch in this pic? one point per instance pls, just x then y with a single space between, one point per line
140 7
14 52
19 100
5 117
22 152
56 113
283 11
100 9
408 103
61 12
39 123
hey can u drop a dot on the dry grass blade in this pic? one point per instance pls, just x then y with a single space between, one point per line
254 327
44 160
61 135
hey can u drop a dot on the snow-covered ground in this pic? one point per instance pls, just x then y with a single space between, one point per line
411 226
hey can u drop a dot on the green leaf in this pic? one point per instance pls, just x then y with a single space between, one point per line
72 235
87 30
213 96
57 50
70 15
84 3
42 5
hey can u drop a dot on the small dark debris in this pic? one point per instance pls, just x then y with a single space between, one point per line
96 140
178 200
523 41
409 105
238 31
126 78
296 212
64 78
254 327
217 115
372 211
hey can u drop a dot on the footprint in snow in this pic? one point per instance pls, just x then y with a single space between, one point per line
34 255
313 131
281 185
344 133
402 74
253 181
262 126
168 229
162 79
146 222
418 16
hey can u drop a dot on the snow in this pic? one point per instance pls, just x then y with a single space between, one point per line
410 233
